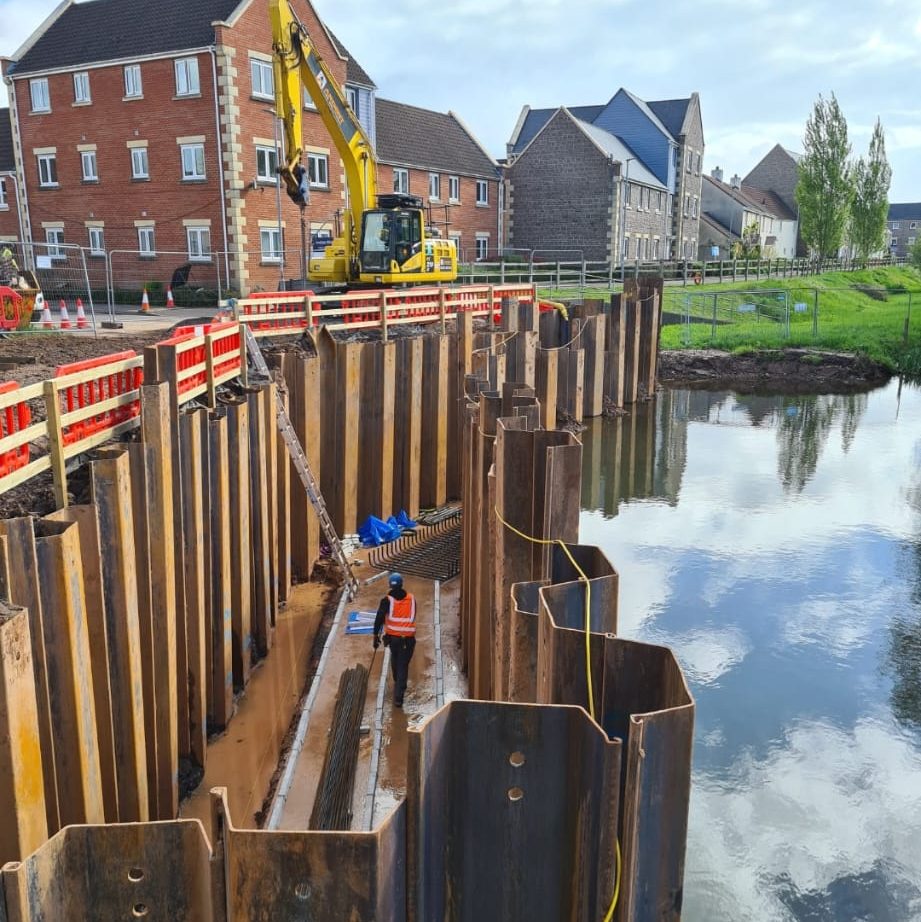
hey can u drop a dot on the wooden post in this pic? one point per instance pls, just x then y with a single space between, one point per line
441 309
155 430
111 487
55 444
67 656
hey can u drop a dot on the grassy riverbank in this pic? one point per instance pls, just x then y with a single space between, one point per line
868 312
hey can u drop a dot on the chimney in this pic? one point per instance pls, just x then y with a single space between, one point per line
736 181
717 173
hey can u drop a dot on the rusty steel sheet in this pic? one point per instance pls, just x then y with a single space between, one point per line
158 872
522 685
491 785
275 876
645 702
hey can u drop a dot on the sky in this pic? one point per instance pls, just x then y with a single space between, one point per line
758 65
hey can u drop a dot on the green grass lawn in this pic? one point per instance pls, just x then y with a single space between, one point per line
842 311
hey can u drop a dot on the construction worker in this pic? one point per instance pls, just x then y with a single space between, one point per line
396 616
9 271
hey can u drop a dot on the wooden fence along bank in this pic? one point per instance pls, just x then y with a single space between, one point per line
129 618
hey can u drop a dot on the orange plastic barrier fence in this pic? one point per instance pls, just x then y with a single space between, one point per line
10 308
97 389
13 419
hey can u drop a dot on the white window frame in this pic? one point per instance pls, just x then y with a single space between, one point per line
147 241
454 188
910 241
308 101
265 156
434 187
4 204
456 238
88 160
54 237
97 241
352 96
316 164
195 235
260 76
40 94
192 150
401 180
896 225
81 83
482 242
187 80
51 163
694 207
895 242
912 225
134 85
135 155
482 192
272 252
655 248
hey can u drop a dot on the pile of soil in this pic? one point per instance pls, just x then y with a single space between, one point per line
782 370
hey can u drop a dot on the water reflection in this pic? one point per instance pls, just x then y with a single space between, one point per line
775 544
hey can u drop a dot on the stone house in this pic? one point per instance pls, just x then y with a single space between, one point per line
904 225
635 196
778 172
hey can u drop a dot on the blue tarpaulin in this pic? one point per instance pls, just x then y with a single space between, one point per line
374 531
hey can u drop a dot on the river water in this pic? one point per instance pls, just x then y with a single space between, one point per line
775 544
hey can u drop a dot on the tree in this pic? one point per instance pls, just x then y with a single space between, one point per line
825 188
914 254
748 246
870 207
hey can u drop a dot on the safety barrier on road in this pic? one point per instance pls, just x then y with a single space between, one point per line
290 313
15 432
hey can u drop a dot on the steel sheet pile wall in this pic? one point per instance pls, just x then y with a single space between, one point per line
127 623
523 618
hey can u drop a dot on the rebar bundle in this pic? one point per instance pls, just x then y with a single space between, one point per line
332 808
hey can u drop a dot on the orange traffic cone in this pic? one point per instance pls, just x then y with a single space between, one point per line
169 298
82 322
145 304
42 304
65 318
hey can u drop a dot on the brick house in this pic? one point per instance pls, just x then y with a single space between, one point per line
10 228
635 196
904 226
435 156
159 141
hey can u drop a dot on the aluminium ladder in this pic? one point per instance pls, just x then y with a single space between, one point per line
299 460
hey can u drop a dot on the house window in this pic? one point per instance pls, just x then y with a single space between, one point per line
351 94
146 245
3 201
482 246
199 239
266 164
88 166
263 79
318 170
482 192
434 186
187 77
270 244
97 243
41 99
687 205
140 167
401 181
913 225
456 240
655 248
133 86
55 238
308 102
47 170
895 241
82 87
694 208
911 241
453 188
697 163
626 246
688 160
896 225
193 161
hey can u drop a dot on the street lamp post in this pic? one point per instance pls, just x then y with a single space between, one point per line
625 186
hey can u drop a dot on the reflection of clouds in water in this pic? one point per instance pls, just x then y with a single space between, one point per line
829 804
706 654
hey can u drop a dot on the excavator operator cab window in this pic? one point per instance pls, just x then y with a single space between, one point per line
389 236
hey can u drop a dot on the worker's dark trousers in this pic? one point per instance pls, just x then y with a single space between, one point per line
401 652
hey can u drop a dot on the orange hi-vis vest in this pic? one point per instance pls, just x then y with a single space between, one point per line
401 617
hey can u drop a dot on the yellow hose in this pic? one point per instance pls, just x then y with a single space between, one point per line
588 665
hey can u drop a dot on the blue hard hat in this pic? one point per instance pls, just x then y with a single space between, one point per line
396 580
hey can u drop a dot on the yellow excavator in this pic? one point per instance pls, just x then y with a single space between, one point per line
384 240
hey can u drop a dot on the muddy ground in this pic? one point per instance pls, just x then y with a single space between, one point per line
782 370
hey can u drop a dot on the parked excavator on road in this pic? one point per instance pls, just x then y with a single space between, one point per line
384 239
